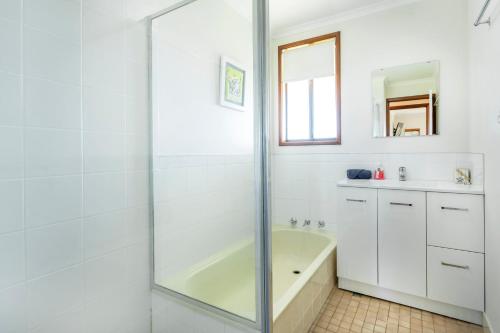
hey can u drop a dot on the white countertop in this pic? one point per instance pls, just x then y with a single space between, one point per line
413 185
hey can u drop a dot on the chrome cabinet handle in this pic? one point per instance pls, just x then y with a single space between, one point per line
401 204
356 200
454 208
454 266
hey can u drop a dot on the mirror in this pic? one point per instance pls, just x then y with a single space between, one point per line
405 100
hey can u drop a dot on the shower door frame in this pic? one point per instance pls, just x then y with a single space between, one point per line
264 308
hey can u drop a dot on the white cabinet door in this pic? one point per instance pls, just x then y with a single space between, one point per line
456 221
456 277
357 235
402 241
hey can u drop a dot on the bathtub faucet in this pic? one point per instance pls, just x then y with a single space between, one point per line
306 223
321 224
293 221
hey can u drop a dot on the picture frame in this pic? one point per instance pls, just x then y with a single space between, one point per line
233 84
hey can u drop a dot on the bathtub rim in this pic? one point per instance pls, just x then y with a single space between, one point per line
280 305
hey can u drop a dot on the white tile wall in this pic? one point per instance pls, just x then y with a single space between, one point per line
11 150
10 39
52 152
197 196
73 178
12 254
11 206
10 100
52 200
304 185
51 104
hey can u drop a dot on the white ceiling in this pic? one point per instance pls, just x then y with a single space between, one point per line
288 13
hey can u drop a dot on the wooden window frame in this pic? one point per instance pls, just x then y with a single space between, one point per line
281 103
389 108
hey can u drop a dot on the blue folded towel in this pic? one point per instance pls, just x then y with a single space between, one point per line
359 174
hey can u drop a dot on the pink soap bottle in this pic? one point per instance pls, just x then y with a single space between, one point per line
379 174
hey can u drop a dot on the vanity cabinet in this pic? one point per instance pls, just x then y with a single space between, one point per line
401 241
357 235
418 246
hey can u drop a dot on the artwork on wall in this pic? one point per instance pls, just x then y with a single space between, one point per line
232 84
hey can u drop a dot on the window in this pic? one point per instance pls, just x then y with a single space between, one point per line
309 91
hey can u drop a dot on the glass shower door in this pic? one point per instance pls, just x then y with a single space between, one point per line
207 157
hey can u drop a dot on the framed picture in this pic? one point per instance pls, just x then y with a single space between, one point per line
232 84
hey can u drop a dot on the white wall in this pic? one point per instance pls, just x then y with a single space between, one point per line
304 178
189 118
413 33
73 168
484 104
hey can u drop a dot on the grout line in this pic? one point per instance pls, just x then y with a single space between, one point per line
23 144
82 157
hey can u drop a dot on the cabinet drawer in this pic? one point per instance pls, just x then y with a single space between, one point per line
456 277
357 234
456 221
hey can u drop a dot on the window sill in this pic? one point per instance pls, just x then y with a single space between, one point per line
310 143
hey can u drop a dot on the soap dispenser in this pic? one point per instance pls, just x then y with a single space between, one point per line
379 173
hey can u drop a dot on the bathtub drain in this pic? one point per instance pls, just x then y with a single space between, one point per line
296 272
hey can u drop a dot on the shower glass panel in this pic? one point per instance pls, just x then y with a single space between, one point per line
204 165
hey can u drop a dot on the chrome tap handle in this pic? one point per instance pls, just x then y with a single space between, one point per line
293 221
402 174
321 224
306 223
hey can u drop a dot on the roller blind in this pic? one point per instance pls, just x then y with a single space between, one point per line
309 62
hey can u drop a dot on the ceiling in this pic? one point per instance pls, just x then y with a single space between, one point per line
288 13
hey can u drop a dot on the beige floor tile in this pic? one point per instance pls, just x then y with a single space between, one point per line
345 312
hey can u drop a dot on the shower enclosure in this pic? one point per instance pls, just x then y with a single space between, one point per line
208 75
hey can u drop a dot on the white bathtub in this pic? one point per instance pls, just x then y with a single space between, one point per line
303 273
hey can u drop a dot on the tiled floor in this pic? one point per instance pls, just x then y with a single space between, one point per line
344 312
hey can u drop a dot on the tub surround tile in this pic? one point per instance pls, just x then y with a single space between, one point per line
10 43
11 206
53 58
103 152
12 259
104 193
52 200
53 248
13 306
10 100
10 9
70 321
137 154
103 110
136 115
57 17
45 112
54 294
51 104
11 153
104 233
103 50
52 152
105 275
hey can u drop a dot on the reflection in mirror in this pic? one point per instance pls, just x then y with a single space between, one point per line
405 100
